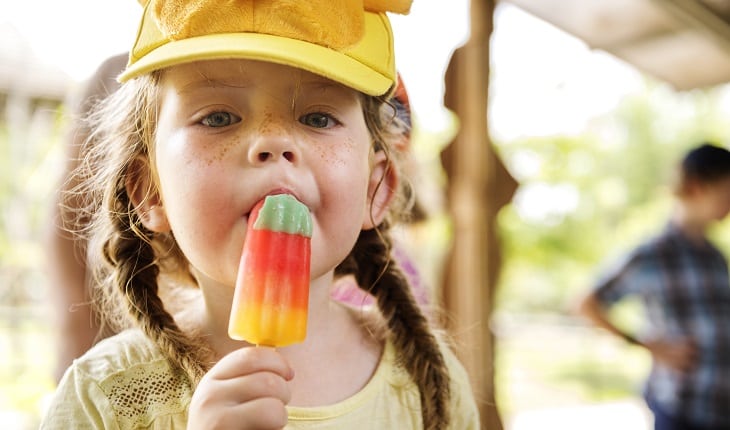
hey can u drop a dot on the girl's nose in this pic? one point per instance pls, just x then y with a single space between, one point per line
272 143
273 155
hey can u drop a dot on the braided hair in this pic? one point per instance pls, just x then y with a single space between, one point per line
373 266
129 258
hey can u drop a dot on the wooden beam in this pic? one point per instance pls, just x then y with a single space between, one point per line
478 186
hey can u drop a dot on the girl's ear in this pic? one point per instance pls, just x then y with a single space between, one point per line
143 193
381 190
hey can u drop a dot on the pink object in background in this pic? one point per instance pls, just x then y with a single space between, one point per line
347 291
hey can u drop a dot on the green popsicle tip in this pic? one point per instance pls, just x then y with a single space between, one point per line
284 213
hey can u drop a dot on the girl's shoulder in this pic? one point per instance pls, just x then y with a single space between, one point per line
132 362
391 369
118 353
464 410
391 399
123 379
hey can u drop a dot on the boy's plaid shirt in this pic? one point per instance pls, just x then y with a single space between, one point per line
685 288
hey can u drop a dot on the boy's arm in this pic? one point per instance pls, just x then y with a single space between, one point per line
679 354
593 310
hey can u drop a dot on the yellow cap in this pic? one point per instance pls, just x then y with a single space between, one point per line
348 41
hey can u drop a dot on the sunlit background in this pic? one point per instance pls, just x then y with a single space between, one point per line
590 139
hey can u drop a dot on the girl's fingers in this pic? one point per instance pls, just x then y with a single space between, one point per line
249 360
246 389
264 413
254 386
260 414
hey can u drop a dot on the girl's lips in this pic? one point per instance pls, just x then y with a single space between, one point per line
274 192
278 191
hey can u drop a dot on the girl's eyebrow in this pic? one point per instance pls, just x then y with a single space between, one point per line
312 86
198 85
207 82
321 87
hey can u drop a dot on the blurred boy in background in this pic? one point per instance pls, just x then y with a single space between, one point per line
682 280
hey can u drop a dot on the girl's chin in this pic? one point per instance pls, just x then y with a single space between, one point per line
217 281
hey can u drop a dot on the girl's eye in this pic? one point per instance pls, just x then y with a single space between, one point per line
318 120
219 119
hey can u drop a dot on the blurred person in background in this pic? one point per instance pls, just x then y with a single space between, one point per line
682 281
77 326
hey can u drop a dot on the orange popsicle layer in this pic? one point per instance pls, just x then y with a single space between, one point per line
272 289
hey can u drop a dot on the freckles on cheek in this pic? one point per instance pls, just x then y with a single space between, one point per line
178 146
218 153
345 150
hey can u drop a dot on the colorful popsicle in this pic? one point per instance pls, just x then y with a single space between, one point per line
272 288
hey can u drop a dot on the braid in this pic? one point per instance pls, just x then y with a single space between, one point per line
375 270
135 276
131 256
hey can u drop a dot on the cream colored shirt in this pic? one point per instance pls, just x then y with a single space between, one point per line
125 382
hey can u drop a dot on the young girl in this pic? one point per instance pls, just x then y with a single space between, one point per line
222 104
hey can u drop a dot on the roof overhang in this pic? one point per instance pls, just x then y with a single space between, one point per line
683 42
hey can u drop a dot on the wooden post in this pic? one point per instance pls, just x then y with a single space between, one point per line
478 186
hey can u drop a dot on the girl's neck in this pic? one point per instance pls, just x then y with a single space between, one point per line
210 321
336 360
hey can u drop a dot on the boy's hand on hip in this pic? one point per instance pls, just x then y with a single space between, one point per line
678 354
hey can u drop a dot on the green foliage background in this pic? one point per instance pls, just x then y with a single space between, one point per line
30 162
617 176
583 201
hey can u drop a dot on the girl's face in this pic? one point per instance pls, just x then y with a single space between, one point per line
233 131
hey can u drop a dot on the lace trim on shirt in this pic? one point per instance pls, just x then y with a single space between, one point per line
144 392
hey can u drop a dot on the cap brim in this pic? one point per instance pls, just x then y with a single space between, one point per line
331 64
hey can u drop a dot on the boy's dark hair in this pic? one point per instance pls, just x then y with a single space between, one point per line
706 163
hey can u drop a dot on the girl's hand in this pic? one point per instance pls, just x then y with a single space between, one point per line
678 354
246 389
